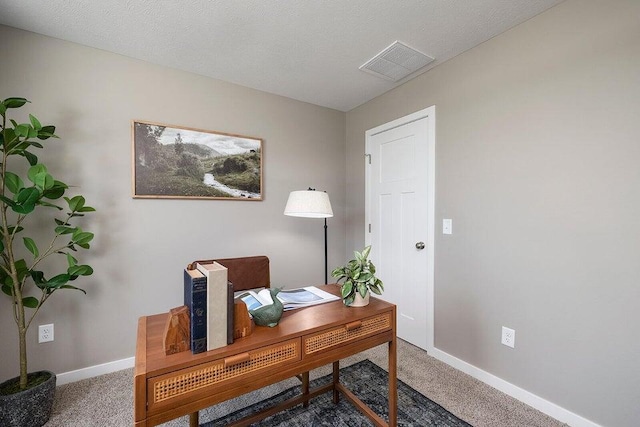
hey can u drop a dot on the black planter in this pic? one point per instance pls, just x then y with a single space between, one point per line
31 407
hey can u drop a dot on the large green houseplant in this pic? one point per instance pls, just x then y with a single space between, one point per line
359 278
28 192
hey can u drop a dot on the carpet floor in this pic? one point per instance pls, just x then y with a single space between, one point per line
107 400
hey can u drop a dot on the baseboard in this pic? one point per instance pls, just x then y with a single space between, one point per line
514 391
94 371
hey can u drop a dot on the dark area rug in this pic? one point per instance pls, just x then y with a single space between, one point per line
367 381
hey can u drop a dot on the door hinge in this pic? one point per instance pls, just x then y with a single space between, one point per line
369 228
368 156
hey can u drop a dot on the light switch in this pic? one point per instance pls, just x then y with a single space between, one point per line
447 226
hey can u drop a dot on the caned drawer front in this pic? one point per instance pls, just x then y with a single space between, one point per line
182 385
347 332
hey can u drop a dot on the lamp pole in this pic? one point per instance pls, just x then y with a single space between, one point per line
326 281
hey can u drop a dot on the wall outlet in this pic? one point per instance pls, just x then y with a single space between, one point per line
45 333
508 337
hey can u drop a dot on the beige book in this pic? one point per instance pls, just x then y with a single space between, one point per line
216 275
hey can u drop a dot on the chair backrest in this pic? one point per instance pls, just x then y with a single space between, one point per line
244 272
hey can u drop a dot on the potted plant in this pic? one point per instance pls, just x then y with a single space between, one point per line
27 193
359 278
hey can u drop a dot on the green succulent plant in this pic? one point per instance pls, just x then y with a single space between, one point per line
28 191
359 276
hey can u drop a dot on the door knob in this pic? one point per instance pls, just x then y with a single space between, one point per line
420 246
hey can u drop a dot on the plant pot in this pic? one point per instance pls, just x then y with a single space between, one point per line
359 301
31 407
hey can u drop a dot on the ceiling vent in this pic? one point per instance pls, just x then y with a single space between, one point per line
396 62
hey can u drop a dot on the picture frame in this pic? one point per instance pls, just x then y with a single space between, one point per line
178 162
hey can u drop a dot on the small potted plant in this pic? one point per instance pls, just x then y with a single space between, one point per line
26 195
359 278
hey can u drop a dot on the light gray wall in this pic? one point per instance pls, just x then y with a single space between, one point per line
538 149
141 246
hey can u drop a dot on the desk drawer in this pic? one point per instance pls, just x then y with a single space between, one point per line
204 379
346 333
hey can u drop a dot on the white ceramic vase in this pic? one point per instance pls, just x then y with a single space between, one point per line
359 301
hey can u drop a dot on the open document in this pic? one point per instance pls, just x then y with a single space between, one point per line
290 298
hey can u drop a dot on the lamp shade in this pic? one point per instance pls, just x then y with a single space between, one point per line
309 204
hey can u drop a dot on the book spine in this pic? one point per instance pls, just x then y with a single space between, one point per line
217 280
195 298
230 310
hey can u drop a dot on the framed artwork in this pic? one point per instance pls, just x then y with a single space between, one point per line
174 162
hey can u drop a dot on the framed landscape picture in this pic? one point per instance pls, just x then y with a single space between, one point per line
174 162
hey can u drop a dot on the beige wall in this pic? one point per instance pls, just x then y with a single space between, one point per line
538 149
537 164
141 246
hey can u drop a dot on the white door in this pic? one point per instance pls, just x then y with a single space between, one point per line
400 219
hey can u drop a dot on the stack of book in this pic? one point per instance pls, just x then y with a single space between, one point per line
209 296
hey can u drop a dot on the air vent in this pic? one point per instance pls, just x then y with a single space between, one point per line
396 62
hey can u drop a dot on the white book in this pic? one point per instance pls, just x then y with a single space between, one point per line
216 275
290 298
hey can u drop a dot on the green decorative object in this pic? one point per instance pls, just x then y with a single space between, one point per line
30 196
269 315
359 278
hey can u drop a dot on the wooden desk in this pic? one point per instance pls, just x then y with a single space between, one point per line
167 387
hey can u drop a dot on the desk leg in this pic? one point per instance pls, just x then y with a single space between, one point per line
305 388
336 380
194 419
393 383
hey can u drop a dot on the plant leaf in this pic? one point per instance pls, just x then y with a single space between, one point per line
31 246
47 132
32 133
9 138
375 290
7 201
13 182
31 158
38 277
71 260
57 281
365 252
35 170
30 302
347 289
26 200
81 238
73 287
75 203
14 102
35 123
362 289
17 230
56 191
22 130
7 289
349 300
64 229
80 270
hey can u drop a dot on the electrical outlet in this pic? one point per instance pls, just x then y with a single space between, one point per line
508 337
45 333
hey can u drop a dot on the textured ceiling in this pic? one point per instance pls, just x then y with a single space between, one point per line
308 50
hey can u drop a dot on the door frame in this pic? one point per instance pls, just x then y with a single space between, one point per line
430 114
